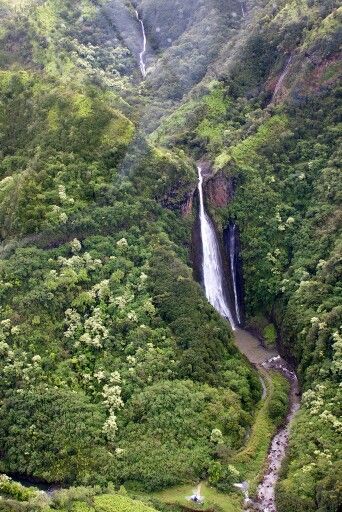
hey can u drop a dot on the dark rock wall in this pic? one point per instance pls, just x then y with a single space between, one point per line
219 190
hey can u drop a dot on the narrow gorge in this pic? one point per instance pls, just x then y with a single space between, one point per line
213 281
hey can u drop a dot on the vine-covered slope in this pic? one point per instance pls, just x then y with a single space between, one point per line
114 368
272 123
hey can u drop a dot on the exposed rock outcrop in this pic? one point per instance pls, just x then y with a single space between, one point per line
187 204
219 190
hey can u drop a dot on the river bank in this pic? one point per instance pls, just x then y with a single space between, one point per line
267 360
252 460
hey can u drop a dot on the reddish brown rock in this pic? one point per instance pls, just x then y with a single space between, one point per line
219 190
186 206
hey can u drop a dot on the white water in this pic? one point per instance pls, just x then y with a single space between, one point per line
213 284
142 53
281 79
265 496
243 10
212 264
232 255
243 486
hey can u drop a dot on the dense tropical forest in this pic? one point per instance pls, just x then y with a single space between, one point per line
121 387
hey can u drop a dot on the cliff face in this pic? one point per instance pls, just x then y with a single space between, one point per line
219 190
187 204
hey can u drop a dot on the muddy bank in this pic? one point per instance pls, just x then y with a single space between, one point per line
252 348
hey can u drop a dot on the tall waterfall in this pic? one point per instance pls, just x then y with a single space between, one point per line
232 260
243 9
281 79
212 263
142 53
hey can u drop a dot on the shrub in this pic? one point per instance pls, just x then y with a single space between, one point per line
52 434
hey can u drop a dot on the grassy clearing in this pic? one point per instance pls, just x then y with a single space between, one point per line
250 460
225 502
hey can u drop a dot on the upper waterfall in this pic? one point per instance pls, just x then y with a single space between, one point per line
212 263
281 79
142 53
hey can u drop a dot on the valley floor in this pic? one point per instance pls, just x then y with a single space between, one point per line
255 460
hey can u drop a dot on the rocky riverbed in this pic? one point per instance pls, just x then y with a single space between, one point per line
270 360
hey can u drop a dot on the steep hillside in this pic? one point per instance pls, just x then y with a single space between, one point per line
271 125
115 369
83 42
114 366
185 38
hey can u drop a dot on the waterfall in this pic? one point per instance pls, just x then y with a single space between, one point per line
232 260
142 53
212 263
281 79
242 10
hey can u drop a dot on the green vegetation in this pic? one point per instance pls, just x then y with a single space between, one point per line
283 156
110 503
314 454
172 421
270 334
74 499
250 461
57 435
14 490
213 498
114 368
180 37
246 463
90 325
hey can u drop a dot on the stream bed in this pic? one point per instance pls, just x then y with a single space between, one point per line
265 496
266 359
